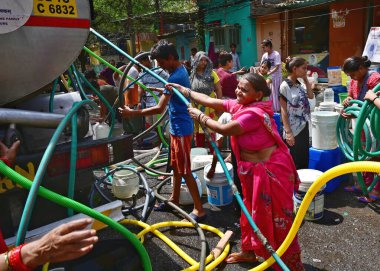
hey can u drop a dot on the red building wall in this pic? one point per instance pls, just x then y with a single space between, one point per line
376 13
350 39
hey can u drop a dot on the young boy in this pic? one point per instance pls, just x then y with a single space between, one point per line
181 125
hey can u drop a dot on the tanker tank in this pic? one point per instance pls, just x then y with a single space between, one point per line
39 41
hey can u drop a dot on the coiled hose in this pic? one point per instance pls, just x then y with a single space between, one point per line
310 194
367 126
146 207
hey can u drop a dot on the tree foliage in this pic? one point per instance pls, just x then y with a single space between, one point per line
109 14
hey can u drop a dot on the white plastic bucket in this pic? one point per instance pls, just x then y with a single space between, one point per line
219 192
315 210
326 106
125 184
339 108
200 161
185 197
323 135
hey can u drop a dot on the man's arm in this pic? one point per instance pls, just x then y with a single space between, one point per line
154 110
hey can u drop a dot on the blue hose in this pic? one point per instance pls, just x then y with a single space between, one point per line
107 104
81 89
217 151
73 160
51 101
76 83
30 201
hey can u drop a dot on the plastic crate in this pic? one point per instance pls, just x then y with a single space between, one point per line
277 119
323 160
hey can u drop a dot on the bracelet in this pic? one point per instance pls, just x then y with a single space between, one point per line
6 161
199 117
188 95
15 261
6 260
373 100
204 118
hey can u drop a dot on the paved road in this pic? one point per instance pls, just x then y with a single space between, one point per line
346 238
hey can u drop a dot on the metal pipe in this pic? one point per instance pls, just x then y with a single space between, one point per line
30 118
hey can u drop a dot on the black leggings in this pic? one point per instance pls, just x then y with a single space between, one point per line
300 150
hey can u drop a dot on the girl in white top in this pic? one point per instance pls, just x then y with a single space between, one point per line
295 110
275 72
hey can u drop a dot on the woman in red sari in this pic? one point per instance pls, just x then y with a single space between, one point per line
362 80
266 169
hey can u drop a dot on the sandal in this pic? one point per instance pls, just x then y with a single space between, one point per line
197 219
371 198
239 257
161 207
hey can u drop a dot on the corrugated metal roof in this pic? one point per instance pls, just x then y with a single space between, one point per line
265 7
300 3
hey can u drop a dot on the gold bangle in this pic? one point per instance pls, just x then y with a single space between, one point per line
6 260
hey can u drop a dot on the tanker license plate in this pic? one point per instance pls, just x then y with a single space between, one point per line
56 8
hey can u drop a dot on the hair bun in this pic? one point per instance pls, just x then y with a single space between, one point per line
366 61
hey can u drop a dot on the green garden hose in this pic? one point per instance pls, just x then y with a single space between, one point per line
367 125
107 104
159 129
51 101
31 199
76 75
73 160
80 208
217 152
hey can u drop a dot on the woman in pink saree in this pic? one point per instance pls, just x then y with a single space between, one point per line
265 167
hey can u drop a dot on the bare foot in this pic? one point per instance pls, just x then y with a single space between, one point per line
243 256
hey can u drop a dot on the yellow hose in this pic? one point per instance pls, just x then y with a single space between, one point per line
365 166
194 264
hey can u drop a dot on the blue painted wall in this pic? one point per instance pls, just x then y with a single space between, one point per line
184 40
235 14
